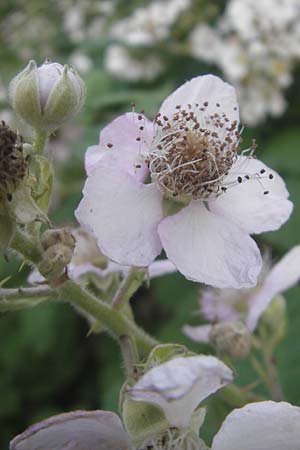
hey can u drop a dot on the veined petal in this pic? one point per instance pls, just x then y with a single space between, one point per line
123 215
197 334
220 96
283 276
260 426
179 385
123 145
78 430
257 204
208 248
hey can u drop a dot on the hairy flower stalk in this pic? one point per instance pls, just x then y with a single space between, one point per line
13 164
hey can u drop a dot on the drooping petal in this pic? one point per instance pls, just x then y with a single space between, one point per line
123 145
160 268
257 204
199 333
220 96
123 215
179 385
78 430
283 276
260 426
207 248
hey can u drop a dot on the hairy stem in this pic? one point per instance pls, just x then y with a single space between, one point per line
40 141
14 299
113 320
128 287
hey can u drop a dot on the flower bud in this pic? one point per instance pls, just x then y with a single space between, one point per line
13 164
232 338
48 95
59 246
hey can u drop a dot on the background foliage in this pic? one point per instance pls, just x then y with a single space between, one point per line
48 363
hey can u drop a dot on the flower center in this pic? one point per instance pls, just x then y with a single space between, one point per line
191 155
13 164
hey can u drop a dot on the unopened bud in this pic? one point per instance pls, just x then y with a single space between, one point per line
46 96
232 338
13 164
59 246
62 236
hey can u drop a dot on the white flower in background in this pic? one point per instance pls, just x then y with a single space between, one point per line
256 45
149 24
190 155
87 259
247 305
119 62
81 61
176 387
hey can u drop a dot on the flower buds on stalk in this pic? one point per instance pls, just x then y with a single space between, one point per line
58 248
48 95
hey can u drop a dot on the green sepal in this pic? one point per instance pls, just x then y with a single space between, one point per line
64 101
142 419
165 352
24 94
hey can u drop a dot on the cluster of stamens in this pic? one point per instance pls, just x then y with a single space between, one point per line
13 164
192 158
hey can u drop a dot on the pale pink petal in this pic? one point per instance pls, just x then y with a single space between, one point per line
160 268
258 204
199 333
207 248
179 385
78 430
123 215
284 275
124 143
260 426
202 89
220 305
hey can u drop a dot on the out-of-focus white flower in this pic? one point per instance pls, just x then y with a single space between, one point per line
149 24
256 44
260 426
119 62
191 154
247 305
176 387
81 62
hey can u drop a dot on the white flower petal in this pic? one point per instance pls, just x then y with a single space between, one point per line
78 430
160 268
260 426
199 333
123 215
208 248
123 144
179 385
206 88
246 204
283 275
